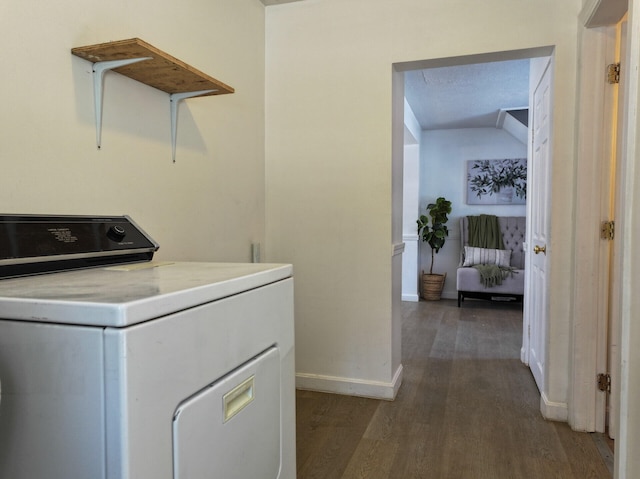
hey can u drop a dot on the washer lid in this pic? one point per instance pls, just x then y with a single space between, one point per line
123 295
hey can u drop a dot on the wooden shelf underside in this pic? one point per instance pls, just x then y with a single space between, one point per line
162 71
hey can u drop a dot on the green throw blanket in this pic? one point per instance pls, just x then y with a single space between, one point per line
484 232
492 274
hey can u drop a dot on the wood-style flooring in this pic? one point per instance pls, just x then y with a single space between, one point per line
467 409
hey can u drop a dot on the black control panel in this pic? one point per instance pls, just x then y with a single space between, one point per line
31 244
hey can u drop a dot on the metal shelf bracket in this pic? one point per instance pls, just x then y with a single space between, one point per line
174 101
99 69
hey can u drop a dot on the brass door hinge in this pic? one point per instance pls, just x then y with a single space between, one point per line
604 382
608 230
613 73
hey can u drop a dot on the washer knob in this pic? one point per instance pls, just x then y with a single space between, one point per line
116 233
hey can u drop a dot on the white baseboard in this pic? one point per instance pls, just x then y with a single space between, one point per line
414 298
524 357
553 411
351 387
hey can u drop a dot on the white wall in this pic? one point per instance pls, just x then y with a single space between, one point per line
207 206
443 166
410 257
410 205
329 156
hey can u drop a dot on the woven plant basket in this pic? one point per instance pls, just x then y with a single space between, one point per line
432 285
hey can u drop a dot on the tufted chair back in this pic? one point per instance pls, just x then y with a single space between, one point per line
513 236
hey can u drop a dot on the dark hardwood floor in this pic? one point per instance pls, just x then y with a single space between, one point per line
467 409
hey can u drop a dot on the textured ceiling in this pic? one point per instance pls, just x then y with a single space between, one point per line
466 96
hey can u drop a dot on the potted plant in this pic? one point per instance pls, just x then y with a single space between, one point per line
433 230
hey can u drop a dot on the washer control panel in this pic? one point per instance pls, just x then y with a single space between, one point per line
69 242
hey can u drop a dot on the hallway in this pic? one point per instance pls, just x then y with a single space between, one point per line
467 409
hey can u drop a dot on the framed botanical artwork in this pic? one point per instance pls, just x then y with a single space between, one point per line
497 182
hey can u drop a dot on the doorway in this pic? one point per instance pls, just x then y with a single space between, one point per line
447 178
462 114
601 148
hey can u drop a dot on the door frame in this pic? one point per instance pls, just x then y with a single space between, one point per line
627 463
591 254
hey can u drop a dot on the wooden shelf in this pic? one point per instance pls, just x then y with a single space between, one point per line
140 61
162 71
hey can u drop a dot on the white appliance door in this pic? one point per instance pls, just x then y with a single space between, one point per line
231 428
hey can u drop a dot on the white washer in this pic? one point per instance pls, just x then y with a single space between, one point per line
148 371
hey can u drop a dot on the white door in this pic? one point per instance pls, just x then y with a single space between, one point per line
615 312
539 190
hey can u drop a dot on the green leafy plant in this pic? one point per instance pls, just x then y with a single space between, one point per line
493 175
432 226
